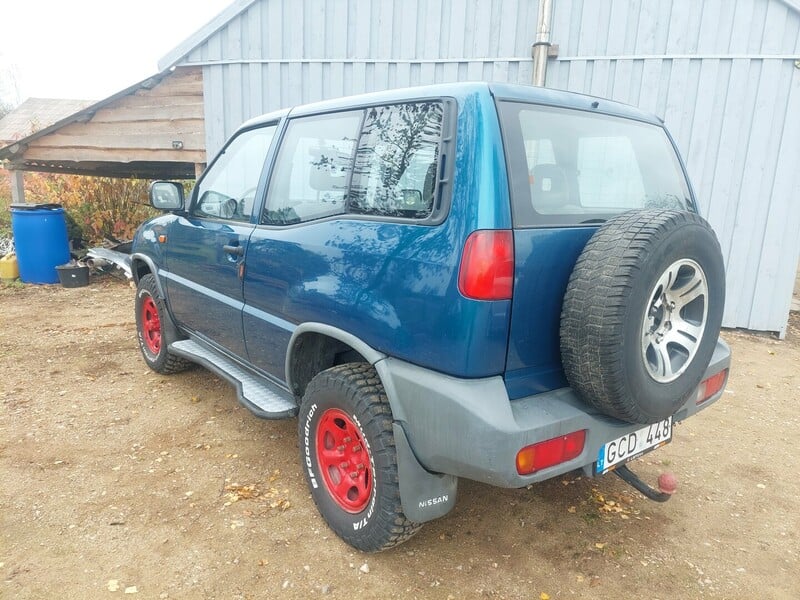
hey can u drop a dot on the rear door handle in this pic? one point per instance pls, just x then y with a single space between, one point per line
234 250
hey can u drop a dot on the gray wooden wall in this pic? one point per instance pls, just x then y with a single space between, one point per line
279 53
722 75
720 72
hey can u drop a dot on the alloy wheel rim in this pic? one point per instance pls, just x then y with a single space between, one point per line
674 320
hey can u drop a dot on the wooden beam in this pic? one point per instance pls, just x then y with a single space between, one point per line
160 170
17 187
150 113
155 126
144 141
117 155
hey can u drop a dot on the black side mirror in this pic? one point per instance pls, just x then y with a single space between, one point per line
166 195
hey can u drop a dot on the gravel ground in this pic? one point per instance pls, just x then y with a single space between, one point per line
118 480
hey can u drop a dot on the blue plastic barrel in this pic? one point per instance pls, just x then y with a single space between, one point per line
40 239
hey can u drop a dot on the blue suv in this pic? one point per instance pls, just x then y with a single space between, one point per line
489 281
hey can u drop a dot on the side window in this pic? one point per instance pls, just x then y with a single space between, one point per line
228 189
396 162
310 176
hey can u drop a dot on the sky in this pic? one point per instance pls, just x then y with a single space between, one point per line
90 49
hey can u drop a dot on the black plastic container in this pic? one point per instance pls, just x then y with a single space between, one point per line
72 276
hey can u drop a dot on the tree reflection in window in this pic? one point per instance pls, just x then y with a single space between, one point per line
396 161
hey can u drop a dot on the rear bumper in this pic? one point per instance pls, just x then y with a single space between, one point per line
469 428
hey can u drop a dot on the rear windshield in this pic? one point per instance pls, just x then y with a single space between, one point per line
569 167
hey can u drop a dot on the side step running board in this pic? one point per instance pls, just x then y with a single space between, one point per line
257 394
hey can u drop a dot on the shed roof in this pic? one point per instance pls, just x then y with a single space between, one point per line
152 129
35 114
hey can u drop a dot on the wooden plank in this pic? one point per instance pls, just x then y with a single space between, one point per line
83 130
178 88
621 87
577 74
750 218
704 181
589 43
457 18
184 112
648 95
360 35
724 197
762 275
678 26
599 81
132 170
149 140
704 111
645 34
784 221
104 155
481 22
359 81
134 101
433 32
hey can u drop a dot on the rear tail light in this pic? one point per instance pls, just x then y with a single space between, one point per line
550 452
711 386
487 266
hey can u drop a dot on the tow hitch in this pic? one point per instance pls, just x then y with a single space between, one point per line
667 484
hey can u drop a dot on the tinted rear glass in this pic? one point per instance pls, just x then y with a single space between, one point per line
570 166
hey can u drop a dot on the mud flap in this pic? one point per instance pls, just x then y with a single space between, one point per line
424 495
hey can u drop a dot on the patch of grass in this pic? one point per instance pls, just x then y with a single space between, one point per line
12 284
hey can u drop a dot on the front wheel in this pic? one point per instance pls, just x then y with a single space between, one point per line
154 329
349 458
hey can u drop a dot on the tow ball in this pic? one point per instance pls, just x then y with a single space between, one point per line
667 484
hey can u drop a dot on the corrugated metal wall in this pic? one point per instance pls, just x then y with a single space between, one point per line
722 76
720 72
279 53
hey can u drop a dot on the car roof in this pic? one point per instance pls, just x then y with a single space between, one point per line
501 91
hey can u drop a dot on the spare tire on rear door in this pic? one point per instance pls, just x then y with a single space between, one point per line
642 313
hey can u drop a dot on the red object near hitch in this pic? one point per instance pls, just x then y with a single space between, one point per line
667 483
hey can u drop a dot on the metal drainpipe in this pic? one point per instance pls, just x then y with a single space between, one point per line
542 44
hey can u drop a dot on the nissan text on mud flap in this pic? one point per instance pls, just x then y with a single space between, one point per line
494 282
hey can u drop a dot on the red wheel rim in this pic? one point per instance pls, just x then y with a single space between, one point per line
151 325
344 460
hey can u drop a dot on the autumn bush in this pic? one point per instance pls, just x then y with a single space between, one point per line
97 208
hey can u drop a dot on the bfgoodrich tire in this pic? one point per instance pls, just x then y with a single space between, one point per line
642 314
155 330
349 459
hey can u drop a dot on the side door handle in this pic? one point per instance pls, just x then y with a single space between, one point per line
234 250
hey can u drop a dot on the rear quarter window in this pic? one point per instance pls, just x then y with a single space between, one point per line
569 167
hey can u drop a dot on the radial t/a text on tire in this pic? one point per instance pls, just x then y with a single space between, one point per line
349 459
642 313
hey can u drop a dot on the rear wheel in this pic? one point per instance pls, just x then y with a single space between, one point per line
349 458
155 330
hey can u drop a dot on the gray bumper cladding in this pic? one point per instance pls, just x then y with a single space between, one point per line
469 428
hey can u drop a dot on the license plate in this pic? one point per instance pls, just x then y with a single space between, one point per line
632 445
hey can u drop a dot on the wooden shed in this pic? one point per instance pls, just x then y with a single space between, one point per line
151 130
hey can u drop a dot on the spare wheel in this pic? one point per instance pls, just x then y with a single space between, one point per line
642 313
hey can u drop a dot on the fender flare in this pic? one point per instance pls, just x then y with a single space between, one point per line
138 256
355 343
